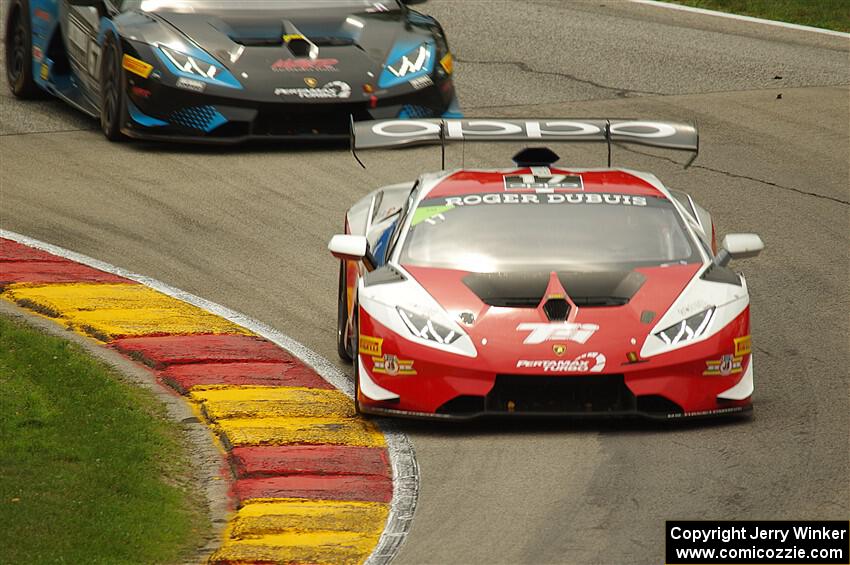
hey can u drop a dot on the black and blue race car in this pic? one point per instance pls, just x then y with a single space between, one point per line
231 70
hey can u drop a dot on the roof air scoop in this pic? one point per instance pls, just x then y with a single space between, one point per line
297 42
535 157
556 304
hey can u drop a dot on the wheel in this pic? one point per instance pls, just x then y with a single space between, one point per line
18 46
343 345
111 92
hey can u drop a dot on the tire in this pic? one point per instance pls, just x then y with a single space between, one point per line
18 47
111 92
355 333
343 346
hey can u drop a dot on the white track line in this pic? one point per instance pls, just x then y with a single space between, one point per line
750 19
402 456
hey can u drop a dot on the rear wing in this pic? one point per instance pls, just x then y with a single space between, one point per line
382 134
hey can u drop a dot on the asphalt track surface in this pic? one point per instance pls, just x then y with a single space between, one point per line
247 228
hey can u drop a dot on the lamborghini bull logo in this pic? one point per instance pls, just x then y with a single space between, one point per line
568 331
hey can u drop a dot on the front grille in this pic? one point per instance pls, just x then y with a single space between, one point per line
565 395
203 118
562 394
335 119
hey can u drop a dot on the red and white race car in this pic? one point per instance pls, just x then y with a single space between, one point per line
538 289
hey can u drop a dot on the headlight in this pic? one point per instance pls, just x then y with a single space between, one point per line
426 328
417 62
688 329
190 65
412 62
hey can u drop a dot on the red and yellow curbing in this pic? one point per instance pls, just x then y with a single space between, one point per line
311 482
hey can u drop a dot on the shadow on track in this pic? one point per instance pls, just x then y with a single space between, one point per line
492 426
253 146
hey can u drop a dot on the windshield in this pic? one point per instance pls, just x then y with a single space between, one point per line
505 231
203 5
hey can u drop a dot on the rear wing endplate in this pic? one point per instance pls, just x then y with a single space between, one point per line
382 134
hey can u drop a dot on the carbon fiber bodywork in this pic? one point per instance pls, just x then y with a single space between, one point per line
222 73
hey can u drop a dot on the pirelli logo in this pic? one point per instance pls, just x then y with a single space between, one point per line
370 345
743 345
137 67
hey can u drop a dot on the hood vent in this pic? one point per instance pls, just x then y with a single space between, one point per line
277 41
331 41
274 41
299 46
557 309
526 290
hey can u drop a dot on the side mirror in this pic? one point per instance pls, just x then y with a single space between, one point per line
346 247
738 246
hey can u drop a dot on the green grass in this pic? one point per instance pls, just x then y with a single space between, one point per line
827 14
90 471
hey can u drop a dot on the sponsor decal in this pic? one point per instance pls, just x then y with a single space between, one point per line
369 345
526 129
543 182
693 308
561 331
311 82
421 82
189 84
559 349
334 89
45 71
725 366
292 36
42 14
137 67
305 65
522 198
591 362
37 53
412 62
392 365
713 412
743 345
